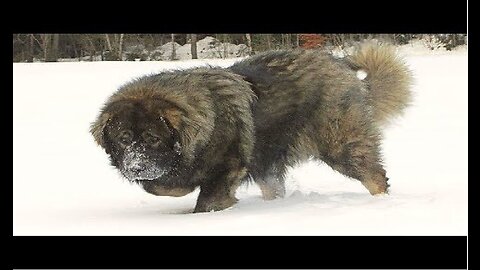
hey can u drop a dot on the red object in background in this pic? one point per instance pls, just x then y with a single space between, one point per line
311 41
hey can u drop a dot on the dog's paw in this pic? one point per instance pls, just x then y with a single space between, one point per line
215 205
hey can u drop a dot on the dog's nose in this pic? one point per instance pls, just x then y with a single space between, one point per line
137 167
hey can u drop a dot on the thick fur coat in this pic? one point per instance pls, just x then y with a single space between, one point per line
214 128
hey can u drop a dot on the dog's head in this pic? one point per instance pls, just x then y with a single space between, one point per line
141 138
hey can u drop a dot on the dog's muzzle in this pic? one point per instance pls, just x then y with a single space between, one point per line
137 166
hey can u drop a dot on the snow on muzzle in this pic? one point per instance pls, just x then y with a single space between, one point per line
137 165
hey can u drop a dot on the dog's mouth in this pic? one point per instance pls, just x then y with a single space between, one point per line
144 176
140 181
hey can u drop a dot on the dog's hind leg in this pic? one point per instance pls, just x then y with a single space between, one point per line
371 175
359 160
272 187
351 146
272 182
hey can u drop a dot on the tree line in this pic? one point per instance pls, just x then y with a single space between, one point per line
110 47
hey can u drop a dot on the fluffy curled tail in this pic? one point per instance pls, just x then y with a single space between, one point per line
388 77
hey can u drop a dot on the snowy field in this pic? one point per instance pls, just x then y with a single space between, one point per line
63 183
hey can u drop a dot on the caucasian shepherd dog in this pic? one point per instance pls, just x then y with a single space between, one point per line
216 127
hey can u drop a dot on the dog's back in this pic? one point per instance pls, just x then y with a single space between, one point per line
311 104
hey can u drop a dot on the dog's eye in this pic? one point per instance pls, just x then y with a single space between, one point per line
125 136
151 138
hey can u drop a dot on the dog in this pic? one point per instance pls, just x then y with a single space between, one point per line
215 128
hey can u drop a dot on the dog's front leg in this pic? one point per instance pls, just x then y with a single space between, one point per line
218 191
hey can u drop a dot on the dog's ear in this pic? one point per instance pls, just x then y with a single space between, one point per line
173 119
110 109
97 128
175 134
173 116
193 122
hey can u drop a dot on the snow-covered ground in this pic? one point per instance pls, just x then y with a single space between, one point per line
207 48
63 183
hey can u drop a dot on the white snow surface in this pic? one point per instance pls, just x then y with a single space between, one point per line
63 183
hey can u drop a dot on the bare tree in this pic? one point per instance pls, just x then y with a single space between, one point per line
23 47
224 39
120 47
109 44
50 47
31 48
249 43
193 43
116 47
55 52
288 40
269 41
46 41
172 57
338 40
92 48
